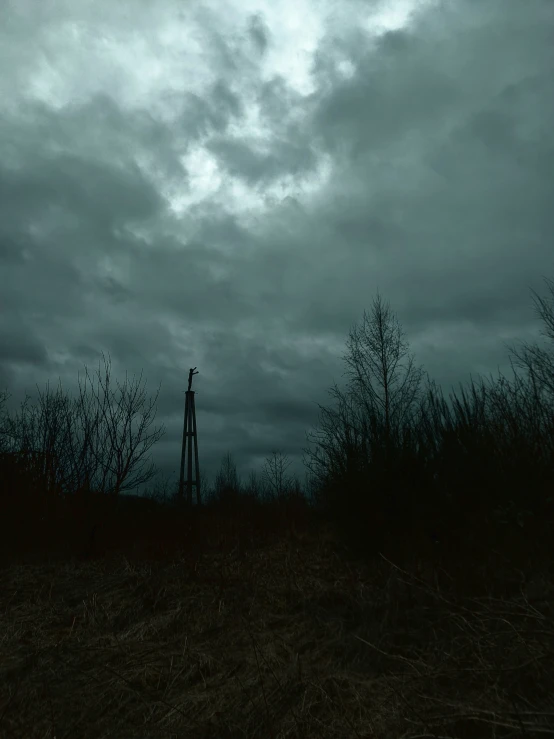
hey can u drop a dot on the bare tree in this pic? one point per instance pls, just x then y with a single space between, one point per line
378 409
123 451
97 441
227 483
539 362
341 449
256 487
274 473
4 395
36 436
384 381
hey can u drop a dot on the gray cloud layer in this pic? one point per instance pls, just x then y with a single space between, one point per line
176 200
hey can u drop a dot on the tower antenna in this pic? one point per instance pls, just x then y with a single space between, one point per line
190 435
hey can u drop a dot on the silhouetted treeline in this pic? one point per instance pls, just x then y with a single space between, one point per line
392 459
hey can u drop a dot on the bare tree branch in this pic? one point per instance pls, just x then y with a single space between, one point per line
274 471
98 440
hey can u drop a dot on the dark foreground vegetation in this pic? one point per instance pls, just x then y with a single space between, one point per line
407 591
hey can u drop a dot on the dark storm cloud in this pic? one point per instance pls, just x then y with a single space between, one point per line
259 33
424 171
209 113
242 160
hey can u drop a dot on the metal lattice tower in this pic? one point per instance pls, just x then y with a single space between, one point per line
189 434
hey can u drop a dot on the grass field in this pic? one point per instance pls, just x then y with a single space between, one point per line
230 630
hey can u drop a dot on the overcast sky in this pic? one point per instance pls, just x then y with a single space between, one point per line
227 185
